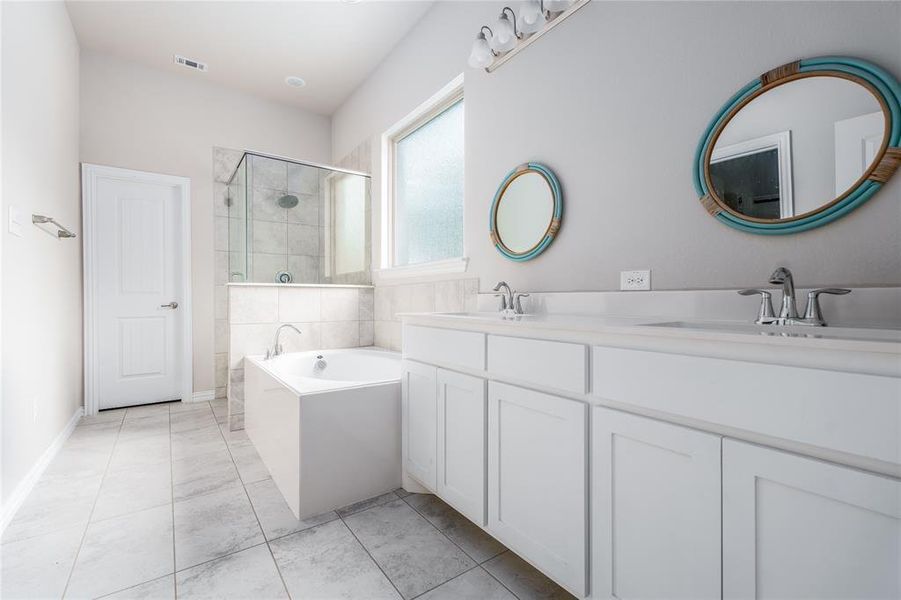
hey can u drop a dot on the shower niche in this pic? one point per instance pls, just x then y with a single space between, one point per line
294 222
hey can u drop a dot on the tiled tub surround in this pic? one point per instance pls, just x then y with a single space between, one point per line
162 502
329 316
454 295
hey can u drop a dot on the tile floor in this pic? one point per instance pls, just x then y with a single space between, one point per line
163 501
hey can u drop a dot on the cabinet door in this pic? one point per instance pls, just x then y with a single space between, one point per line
461 443
796 527
419 389
537 480
655 509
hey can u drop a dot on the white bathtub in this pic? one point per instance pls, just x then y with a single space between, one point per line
329 436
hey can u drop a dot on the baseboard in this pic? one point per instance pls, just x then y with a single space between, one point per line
204 396
8 510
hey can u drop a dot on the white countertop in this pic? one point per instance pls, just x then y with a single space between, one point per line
853 349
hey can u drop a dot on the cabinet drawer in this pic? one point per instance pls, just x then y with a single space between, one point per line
846 412
445 346
558 365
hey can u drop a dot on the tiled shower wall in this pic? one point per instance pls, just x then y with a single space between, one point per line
457 295
284 239
327 316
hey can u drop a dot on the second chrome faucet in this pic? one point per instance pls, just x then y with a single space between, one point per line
788 313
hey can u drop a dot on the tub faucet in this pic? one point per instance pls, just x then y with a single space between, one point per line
783 277
506 295
276 347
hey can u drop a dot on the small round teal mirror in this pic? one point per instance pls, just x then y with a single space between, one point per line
800 146
526 212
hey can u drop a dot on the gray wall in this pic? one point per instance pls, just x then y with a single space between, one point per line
614 101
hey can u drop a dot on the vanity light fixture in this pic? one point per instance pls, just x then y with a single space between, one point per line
512 33
532 17
482 55
505 32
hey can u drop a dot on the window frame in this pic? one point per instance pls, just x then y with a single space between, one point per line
448 96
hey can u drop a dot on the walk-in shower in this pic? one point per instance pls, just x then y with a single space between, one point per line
295 222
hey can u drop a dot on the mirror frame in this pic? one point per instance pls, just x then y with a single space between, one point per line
553 227
879 82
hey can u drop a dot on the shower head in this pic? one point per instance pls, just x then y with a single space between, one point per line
288 201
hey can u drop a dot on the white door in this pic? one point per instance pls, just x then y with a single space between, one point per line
461 443
538 480
136 271
419 394
797 527
857 140
656 509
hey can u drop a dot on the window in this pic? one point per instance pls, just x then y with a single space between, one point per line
425 184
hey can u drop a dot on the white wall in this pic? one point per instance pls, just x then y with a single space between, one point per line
141 118
614 100
41 320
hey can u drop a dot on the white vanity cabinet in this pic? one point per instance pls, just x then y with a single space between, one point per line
655 508
538 480
713 470
419 407
796 527
461 443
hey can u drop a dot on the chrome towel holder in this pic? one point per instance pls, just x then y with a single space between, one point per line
62 233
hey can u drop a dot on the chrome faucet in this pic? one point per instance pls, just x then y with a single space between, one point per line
506 296
276 347
783 277
788 315
511 300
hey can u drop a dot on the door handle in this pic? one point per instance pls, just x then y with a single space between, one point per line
173 305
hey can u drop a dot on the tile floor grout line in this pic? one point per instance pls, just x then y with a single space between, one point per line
473 568
254 510
478 564
502 584
84 534
366 550
441 531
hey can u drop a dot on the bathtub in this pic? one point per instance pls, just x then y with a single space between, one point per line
329 434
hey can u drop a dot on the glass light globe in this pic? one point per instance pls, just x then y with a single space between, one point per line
557 5
504 38
481 56
531 17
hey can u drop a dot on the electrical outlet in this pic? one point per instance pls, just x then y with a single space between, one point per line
635 280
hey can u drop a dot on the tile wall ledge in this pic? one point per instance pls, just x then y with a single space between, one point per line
299 285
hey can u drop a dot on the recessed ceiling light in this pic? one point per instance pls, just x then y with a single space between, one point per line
295 81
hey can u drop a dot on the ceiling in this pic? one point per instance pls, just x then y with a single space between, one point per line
253 46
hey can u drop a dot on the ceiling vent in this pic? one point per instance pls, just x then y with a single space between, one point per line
190 63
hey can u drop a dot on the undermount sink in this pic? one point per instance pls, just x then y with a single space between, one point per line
847 333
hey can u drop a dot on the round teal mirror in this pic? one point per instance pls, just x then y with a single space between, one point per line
526 212
800 146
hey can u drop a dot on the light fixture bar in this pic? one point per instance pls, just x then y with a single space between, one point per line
526 42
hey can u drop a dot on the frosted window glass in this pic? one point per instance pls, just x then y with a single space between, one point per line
350 224
428 201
